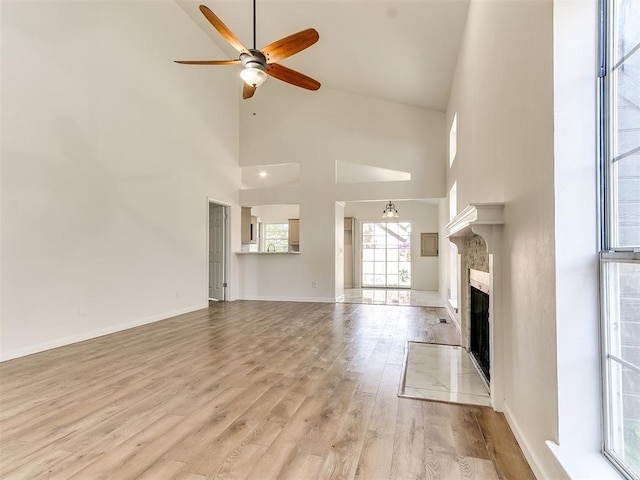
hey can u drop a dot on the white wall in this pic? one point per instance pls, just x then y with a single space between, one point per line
291 277
424 219
503 96
276 213
109 152
577 325
283 124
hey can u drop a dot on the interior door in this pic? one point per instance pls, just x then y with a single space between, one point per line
216 251
348 252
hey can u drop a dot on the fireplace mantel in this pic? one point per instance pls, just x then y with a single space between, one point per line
487 221
474 215
478 218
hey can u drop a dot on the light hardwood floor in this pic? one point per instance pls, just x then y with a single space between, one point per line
257 390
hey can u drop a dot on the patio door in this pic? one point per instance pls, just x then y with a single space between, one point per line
386 254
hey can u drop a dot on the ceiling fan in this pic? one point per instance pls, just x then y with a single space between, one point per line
257 64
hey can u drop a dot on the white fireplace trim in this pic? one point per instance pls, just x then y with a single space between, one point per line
485 220
480 280
477 218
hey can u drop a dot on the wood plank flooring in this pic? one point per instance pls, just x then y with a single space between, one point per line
247 390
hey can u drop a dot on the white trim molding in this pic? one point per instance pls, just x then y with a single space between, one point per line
579 464
81 337
288 299
476 218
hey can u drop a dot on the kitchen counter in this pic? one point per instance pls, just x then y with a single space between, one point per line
267 253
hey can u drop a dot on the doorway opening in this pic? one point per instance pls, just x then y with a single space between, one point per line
218 235
386 254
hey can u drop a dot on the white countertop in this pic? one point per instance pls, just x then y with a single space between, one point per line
267 253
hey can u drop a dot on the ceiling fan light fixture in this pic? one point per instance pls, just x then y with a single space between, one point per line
256 67
253 76
390 211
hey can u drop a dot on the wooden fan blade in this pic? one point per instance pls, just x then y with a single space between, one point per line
290 45
208 62
291 76
223 29
247 91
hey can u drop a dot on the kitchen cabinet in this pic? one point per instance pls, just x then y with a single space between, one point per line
294 232
248 226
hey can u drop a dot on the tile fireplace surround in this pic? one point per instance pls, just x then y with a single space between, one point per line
485 220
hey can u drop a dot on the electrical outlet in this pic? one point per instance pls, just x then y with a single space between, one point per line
178 294
314 284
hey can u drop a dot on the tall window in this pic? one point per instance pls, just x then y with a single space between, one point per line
454 268
619 86
453 139
386 254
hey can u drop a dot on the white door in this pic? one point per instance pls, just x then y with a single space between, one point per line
216 251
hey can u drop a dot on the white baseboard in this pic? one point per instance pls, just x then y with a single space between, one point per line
289 299
340 298
61 342
452 316
528 452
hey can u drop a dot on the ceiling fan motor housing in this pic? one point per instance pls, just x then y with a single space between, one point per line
253 59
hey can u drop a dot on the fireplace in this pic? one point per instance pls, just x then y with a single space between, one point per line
479 345
477 232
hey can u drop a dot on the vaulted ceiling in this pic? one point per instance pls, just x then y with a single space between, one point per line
401 51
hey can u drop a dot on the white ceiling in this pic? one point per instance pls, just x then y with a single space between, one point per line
268 176
401 51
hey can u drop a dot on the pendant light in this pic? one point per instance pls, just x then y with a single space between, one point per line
390 211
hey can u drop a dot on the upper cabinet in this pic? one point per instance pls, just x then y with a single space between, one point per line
294 233
248 226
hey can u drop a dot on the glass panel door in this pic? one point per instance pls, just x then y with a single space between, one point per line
386 254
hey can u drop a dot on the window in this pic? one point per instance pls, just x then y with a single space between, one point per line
386 254
619 91
453 201
276 237
453 250
453 139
